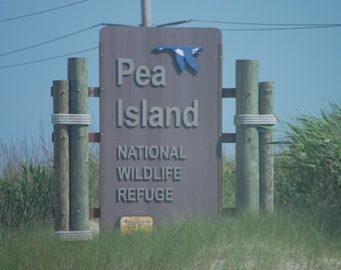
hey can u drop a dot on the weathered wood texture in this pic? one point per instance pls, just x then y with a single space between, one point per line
61 157
247 139
266 158
79 171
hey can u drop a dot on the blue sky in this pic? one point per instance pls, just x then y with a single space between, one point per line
304 64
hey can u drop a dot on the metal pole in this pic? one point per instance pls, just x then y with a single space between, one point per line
146 13
61 157
266 158
79 171
247 142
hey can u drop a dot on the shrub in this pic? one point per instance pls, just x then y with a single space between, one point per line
27 198
308 171
27 183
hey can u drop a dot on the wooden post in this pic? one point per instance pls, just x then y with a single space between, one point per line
266 159
61 157
79 175
247 139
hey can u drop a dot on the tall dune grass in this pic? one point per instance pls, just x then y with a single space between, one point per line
308 170
27 184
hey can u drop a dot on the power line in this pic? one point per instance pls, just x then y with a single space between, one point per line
48 58
279 28
59 38
41 11
174 23
266 24
50 40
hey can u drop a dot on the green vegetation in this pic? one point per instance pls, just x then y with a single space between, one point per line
294 240
94 180
303 233
29 197
27 184
308 170
228 178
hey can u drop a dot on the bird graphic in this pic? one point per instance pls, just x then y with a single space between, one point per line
183 55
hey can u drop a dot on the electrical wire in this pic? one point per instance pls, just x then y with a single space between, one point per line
50 40
279 28
174 23
267 24
58 38
41 11
48 58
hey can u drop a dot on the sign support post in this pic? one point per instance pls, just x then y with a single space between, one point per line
247 138
61 157
79 175
266 159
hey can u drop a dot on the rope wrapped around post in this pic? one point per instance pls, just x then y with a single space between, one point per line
71 119
254 119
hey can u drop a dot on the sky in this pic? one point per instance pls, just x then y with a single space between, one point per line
305 64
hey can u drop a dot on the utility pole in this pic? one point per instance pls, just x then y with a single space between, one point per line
146 13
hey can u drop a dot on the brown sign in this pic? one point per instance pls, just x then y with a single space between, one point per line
160 123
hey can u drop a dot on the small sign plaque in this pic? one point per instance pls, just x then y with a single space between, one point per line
131 224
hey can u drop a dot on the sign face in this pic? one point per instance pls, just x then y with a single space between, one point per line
160 123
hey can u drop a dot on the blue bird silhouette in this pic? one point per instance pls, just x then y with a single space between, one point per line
183 55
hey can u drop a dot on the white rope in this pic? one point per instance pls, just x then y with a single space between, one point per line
254 119
73 235
71 119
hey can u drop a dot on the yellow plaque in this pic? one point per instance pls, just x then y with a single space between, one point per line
130 224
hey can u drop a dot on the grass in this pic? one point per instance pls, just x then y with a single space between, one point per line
285 240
